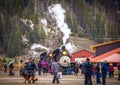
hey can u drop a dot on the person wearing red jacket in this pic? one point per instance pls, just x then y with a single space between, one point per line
118 66
111 70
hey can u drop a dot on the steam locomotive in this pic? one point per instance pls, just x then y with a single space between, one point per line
62 56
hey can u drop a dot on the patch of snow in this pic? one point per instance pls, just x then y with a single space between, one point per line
28 23
58 13
24 21
31 25
44 22
24 39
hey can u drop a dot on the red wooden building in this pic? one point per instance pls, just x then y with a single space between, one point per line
80 55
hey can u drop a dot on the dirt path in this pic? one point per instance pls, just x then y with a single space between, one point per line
47 80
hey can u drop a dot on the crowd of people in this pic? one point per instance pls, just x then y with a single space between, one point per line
28 69
100 70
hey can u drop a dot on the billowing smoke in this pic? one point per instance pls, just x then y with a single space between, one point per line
58 14
70 47
38 46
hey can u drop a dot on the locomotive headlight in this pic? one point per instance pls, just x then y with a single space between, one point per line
64 52
50 55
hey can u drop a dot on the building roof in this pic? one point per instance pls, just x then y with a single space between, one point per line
81 54
106 43
111 56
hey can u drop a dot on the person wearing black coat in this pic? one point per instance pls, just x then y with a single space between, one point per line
88 72
39 67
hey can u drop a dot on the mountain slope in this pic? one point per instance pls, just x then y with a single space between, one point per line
74 23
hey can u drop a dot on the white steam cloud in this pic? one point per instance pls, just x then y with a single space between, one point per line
70 47
58 14
38 46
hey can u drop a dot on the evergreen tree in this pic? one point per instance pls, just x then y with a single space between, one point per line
4 60
32 36
14 47
18 42
75 25
69 21
15 61
10 47
42 33
27 35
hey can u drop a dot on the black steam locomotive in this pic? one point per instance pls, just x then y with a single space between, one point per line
62 57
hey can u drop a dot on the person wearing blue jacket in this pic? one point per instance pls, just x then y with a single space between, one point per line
97 68
39 67
31 69
104 72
